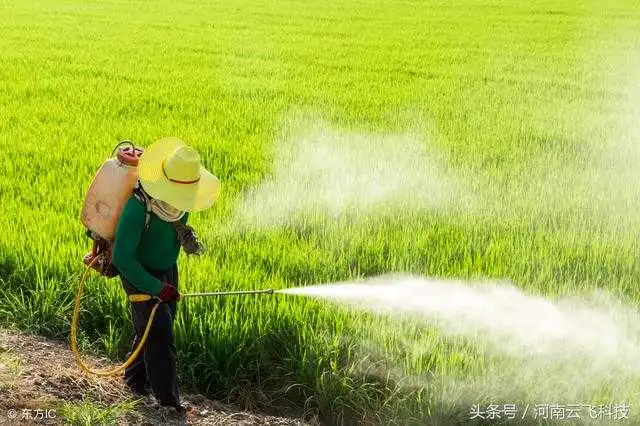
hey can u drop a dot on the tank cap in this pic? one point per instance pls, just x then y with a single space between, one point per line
129 155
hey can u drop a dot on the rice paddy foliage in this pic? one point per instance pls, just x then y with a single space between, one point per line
519 97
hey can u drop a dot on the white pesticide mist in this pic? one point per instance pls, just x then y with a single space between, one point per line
552 348
321 171
519 324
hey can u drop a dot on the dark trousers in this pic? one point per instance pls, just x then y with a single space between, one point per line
156 363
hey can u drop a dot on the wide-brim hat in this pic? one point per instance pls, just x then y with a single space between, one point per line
172 172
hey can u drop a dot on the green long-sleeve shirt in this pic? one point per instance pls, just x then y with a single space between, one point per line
134 252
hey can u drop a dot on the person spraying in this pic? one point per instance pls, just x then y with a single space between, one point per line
151 229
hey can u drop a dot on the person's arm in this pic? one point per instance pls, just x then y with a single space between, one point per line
127 238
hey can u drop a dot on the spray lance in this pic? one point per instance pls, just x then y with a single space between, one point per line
145 297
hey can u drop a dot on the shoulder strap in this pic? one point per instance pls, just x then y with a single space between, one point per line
141 196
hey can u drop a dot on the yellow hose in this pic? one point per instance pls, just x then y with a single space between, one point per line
74 329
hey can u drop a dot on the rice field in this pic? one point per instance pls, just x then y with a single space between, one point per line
530 106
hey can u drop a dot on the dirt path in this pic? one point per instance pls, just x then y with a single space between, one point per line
37 374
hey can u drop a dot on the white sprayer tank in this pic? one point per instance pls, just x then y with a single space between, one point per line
109 191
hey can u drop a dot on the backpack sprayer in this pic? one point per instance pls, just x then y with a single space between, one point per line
112 186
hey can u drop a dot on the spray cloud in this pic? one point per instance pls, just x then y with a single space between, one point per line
321 170
558 350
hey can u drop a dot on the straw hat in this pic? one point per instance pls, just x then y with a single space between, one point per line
171 171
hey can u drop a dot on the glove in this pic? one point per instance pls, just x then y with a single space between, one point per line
168 293
188 239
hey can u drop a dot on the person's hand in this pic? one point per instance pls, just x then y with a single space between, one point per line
168 293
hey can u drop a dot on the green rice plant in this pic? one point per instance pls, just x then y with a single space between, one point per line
530 103
88 413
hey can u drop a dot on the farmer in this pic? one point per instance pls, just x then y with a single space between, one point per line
172 183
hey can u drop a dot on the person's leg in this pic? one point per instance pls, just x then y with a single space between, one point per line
135 376
160 353
160 358
172 277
